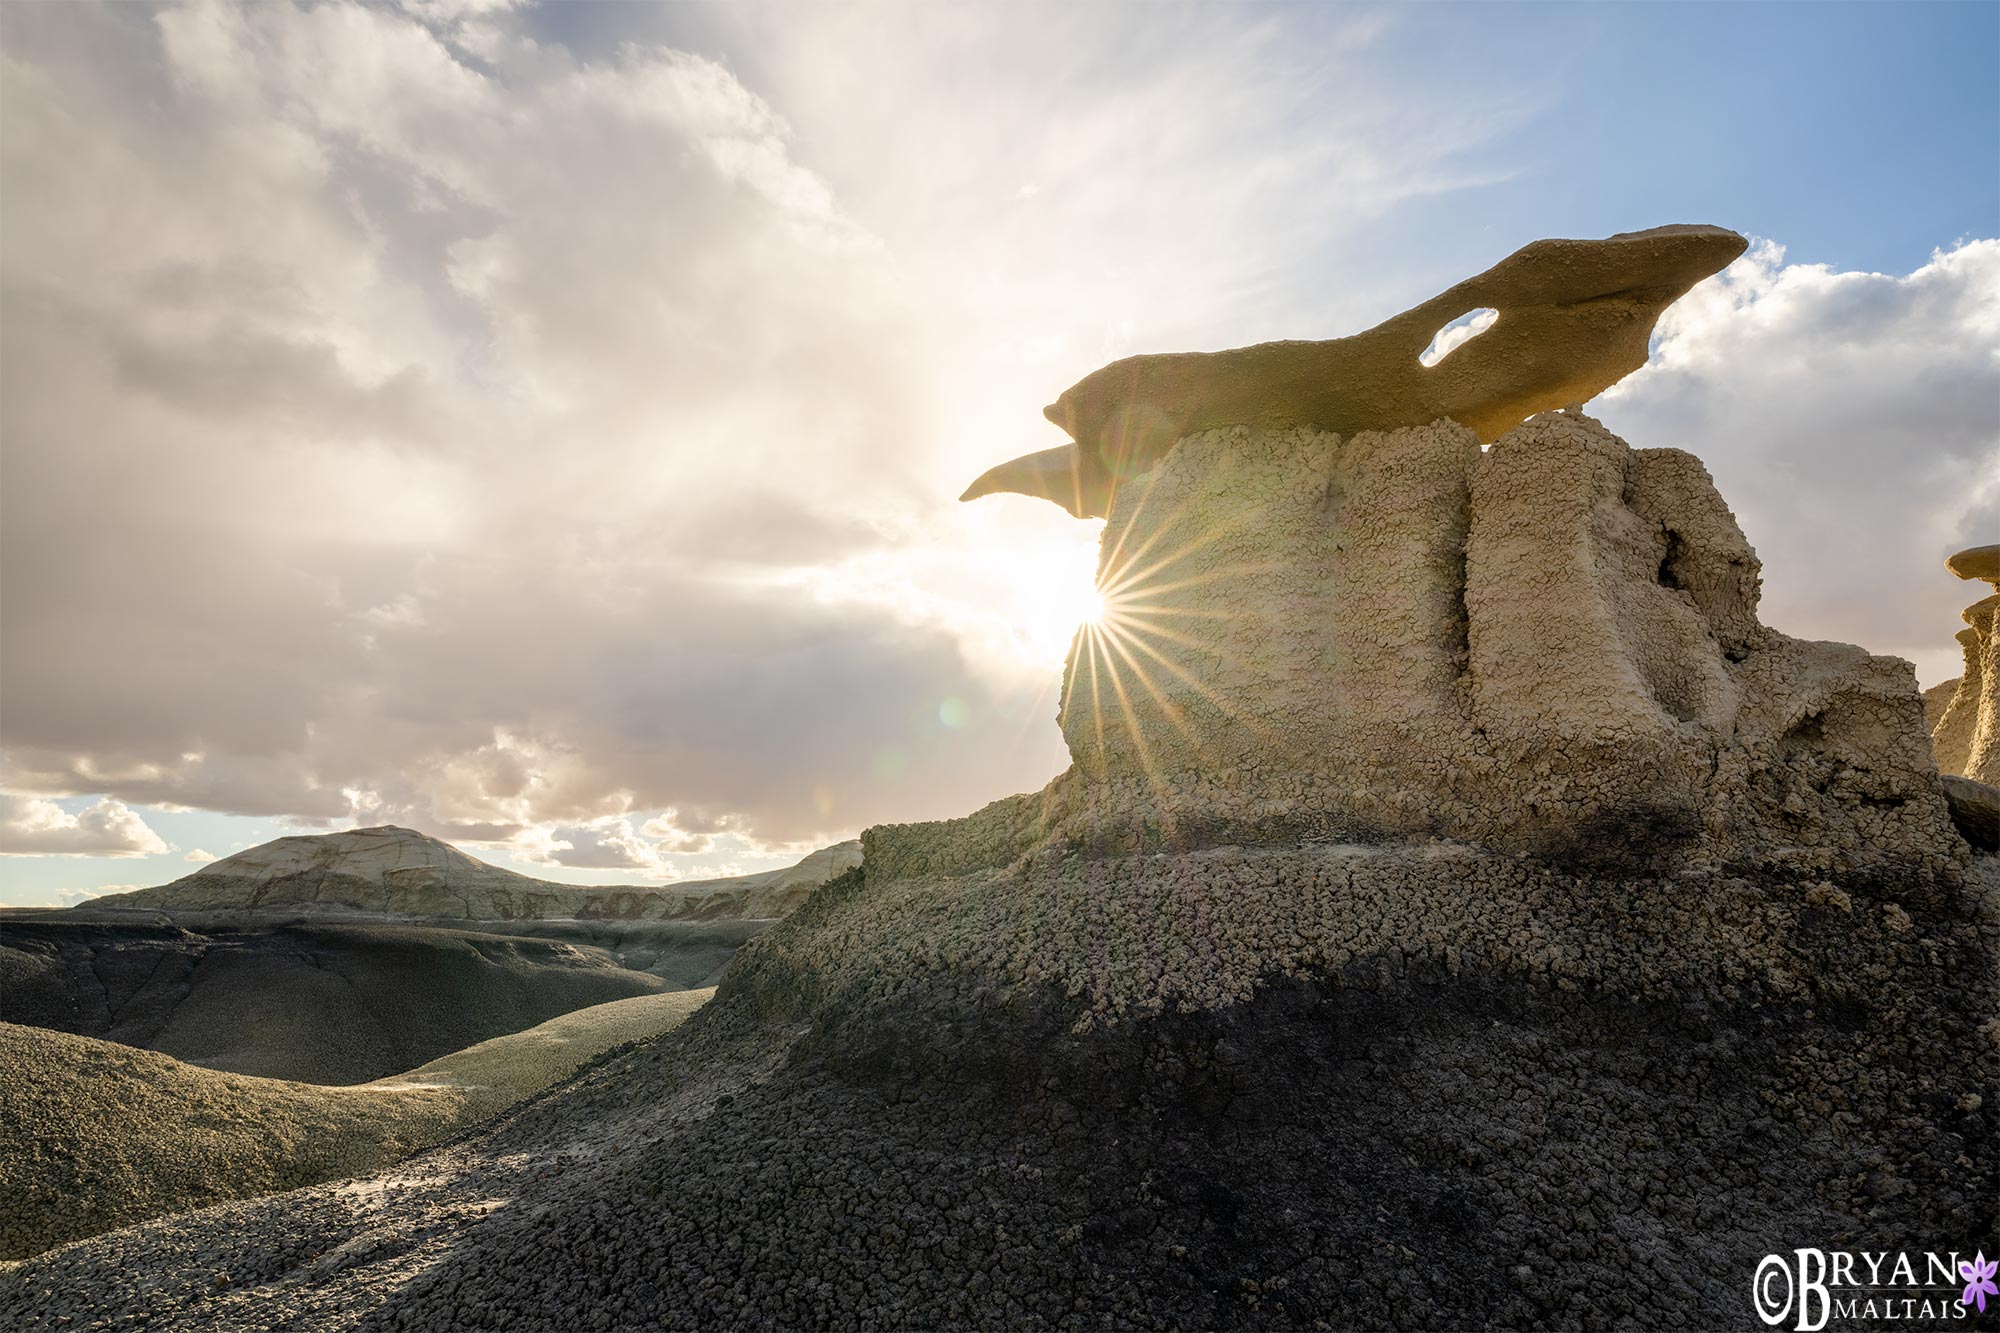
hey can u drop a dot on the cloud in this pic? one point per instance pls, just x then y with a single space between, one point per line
1458 333
609 844
670 837
447 12
30 826
1852 420
76 897
200 857
612 844
448 428
462 424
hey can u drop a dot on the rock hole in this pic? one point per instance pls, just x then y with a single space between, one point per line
1456 334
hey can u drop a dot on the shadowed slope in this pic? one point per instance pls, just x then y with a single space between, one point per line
321 1003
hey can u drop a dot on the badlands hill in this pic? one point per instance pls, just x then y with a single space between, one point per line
319 1003
269 963
1461 911
398 873
100 1135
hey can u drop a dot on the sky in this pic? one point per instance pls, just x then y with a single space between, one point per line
542 426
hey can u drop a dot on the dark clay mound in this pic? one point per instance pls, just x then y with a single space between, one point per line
315 1004
1441 1154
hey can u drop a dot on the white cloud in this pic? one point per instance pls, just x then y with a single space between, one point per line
30 826
1458 333
671 838
1852 420
449 11
76 897
485 438
470 435
607 845
200 857
660 848
602 844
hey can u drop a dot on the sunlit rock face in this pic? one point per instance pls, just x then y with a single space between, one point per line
1548 646
1966 734
1936 699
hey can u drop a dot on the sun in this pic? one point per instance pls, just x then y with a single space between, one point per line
1090 606
1064 605
1074 603
1047 591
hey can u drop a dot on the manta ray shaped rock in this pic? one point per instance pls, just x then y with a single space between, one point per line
1574 318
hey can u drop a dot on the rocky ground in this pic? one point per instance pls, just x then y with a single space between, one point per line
100 1135
1324 1086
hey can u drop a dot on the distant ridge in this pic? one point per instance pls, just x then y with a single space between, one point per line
398 873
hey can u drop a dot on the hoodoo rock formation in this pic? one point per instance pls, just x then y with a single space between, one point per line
1460 912
1967 734
1550 646
1965 720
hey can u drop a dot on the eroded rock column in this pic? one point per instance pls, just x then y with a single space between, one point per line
1966 736
1549 646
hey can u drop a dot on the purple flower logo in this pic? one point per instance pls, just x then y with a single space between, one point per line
1978 1276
